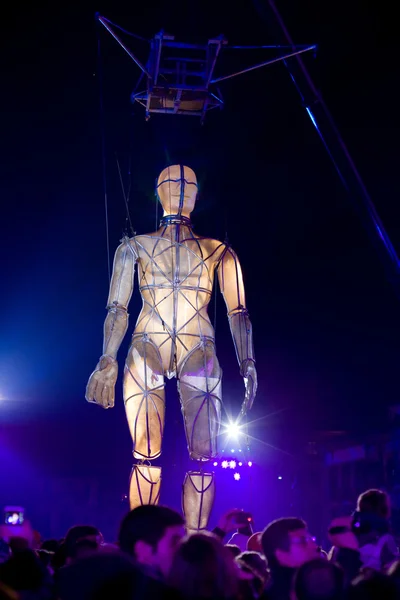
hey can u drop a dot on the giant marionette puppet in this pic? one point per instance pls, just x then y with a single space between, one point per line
173 337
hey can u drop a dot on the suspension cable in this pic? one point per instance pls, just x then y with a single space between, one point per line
103 147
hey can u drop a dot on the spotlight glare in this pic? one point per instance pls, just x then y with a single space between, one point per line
236 476
224 464
279 476
233 450
232 464
240 464
215 464
233 430
249 464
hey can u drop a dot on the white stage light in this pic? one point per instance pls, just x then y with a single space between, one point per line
233 430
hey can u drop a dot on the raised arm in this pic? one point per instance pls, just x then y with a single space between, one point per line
232 287
101 385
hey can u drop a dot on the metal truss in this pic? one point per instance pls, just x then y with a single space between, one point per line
180 77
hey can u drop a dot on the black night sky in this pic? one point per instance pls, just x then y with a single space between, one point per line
325 316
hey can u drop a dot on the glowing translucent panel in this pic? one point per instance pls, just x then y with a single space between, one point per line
145 485
198 498
173 337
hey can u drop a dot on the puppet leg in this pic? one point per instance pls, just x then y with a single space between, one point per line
144 399
200 393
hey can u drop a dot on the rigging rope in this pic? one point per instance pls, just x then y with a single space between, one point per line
138 37
103 147
126 198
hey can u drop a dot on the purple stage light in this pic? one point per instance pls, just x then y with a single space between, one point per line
249 464
280 477
224 464
240 464
215 464
236 476
233 450
232 464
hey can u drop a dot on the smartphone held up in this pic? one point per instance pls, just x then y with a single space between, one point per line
13 515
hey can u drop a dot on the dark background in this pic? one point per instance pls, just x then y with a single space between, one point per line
325 316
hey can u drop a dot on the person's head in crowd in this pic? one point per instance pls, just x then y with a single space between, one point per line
233 549
25 572
287 543
256 562
204 569
51 545
375 502
45 557
319 579
151 534
378 548
60 556
250 585
81 541
372 585
83 549
254 542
